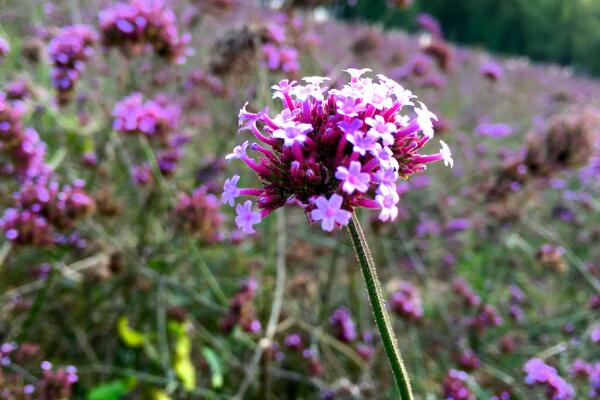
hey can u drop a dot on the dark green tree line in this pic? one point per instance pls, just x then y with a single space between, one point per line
561 31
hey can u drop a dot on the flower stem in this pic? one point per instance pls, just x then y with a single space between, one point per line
390 344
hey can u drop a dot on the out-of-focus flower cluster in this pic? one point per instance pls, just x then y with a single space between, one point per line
68 52
21 150
157 119
4 48
454 386
540 373
199 214
406 302
277 55
140 24
330 151
565 142
152 118
341 321
486 316
41 206
239 51
241 311
52 383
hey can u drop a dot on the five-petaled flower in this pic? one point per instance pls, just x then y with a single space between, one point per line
246 218
330 212
352 178
230 190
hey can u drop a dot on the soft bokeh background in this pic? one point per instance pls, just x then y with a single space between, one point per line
136 284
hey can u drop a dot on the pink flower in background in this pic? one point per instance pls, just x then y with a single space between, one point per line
68 52
492 71
4 48
138 24
540 373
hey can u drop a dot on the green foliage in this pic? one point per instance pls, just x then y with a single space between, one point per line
114 390
215 364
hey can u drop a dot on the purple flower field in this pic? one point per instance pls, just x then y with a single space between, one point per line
178 179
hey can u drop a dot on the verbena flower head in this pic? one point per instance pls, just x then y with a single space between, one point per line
330 151
139 24
455 386
42 207
342 322
540 373
68 52
199 214
21 150
406 302
152 118
241 310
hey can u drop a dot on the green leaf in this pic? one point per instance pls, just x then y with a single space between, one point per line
110 391
129 336
214 362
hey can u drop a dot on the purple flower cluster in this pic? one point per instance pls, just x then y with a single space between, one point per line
142 24
53 384
454 386
344 327
6 349
595 381
365 348
517 298
492 71
540 373
595 334
56 383
68 52
152 118
277 56
21 150
199 214
241 311
17 90
42 208
486 317
492 130
582 369
468 360
406 302
333 150
158 119
293 341
430 24
4 48
462 288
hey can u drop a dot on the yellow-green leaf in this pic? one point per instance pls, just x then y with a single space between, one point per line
158 394
182 363
129 336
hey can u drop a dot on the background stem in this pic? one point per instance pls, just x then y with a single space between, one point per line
382 318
